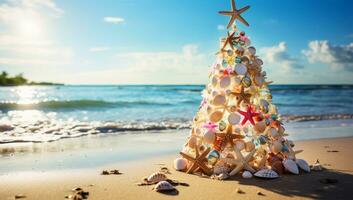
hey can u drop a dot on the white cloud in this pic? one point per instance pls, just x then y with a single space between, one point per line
221 27
24 39
278 56
337 57
114 20
179 67
99 49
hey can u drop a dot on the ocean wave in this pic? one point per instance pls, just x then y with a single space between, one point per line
304 118
76 104
307 88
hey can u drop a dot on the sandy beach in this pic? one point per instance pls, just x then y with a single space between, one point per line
334 154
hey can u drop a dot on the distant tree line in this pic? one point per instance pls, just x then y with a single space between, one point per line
6 80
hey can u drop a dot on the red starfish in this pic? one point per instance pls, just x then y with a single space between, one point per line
248 115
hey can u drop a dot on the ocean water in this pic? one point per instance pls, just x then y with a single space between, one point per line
58 110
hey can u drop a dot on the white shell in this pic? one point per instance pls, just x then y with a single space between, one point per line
156 177
233 118
180 164
209 137
291 166
246 174
276 147
302 164
266 173
240 69
225 82
163 186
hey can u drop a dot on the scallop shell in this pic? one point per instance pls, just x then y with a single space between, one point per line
209 137
225 82
156 177
163 186
240 69
233 118
216 116
259 62
219 100
180 164
246 174
303 165
291 166
266 173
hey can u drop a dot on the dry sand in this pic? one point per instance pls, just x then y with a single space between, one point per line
58 184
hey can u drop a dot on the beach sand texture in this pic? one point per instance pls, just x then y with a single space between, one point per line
334 154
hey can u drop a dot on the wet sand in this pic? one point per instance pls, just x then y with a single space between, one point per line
334 154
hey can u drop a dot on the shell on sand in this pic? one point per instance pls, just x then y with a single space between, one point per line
266 173
246 174
163 186
303 165
316 166
156 177
220 169
291 166
180 164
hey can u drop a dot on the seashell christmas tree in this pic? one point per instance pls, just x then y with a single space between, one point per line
237 127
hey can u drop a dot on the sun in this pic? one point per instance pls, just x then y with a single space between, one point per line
30 27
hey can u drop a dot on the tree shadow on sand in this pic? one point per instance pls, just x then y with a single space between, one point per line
310 185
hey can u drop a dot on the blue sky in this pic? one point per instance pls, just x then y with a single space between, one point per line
171 41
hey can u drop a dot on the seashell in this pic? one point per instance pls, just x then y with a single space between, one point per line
273 158
272 132
225 82
209 137
237 80
163 186
259 80
240 51
246 81
249 146
245 60
252 51
266 173
291 143
316 166
180 164
240 144
219 100
156 177
259 62
278 167
303 165
214 81
260 127
213 157
192 143
234 118
222 125
264 106
290 166
216 116
240 69
246 174
220 169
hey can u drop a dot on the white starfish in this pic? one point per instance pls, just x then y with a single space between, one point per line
241 162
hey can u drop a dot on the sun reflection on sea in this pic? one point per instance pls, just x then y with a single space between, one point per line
29 95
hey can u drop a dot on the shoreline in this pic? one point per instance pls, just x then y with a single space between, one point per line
304 186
